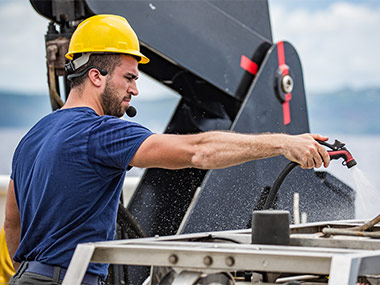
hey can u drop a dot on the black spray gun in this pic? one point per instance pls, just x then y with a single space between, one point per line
337 151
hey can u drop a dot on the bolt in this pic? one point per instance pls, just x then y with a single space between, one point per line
207 260
173 259
230 261
265 263
287 84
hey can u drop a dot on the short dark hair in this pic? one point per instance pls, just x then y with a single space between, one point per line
107 62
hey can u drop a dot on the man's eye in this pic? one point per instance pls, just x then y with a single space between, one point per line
131 77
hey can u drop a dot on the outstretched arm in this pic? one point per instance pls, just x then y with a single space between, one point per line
12 224
213 150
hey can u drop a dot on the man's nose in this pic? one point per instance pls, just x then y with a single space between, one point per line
133 89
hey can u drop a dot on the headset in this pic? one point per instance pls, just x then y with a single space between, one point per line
80 74
77 63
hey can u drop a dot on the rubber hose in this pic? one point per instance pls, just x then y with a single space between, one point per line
127 217
276 185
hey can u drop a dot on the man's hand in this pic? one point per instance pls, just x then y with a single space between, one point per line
306 151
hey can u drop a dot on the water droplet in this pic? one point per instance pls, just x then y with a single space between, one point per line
367 202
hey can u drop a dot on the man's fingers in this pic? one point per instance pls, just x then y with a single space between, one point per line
322 152
317 159
323 155
319 137
309 164
306 163
318 162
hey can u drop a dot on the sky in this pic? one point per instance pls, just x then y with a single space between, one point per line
337 41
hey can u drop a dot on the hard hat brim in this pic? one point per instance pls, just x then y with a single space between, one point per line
143 58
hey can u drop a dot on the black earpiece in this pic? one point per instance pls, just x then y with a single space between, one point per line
69 68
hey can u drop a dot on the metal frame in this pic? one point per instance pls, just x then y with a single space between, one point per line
183 253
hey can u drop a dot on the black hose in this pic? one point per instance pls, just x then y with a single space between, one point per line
276 185
129 224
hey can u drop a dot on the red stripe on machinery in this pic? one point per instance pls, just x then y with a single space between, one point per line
248 65
284 70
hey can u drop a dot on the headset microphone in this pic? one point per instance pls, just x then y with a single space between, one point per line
131 111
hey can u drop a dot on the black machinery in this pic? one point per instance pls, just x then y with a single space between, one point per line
220 57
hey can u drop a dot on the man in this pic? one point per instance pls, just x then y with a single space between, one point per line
68 171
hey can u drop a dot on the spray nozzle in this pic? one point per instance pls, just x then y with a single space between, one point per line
338 150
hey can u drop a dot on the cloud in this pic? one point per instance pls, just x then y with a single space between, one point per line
22 52
338 44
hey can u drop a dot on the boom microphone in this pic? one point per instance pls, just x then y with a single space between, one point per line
131 111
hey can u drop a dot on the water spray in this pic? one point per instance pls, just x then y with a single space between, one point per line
338 150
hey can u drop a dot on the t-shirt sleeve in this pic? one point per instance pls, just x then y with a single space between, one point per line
114 142
12 176
14 160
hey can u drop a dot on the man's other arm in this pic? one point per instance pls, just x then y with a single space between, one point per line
12 224
212 150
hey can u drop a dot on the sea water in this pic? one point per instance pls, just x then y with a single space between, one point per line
367 201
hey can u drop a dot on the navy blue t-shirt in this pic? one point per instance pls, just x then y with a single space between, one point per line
68 173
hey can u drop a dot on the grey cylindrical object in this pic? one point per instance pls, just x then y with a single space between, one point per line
270 227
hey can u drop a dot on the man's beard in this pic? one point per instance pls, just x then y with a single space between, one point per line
110 103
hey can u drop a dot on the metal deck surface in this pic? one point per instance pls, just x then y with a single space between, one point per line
342 258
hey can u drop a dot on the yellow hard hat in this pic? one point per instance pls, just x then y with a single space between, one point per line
105 33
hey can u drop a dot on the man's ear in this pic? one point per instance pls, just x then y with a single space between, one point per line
95 77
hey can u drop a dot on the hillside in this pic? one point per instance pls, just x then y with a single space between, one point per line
18 110
345 111
22 110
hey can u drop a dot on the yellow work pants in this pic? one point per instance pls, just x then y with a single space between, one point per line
6 267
